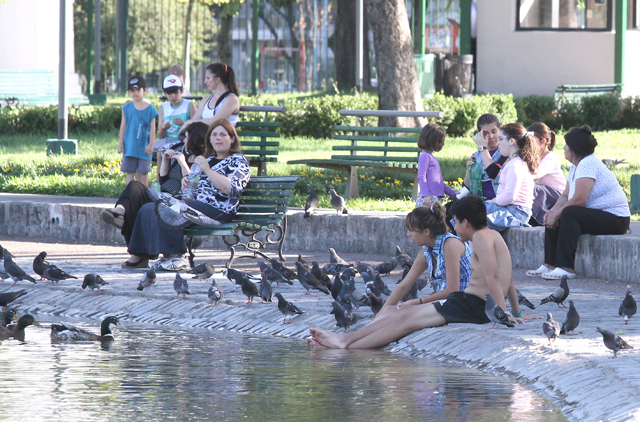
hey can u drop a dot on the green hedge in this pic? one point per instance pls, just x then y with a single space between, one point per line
602 112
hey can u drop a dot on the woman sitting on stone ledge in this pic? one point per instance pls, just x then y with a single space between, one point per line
225 174
592 203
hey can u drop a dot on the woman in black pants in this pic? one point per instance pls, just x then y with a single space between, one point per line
592 203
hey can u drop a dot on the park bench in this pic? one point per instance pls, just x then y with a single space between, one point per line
31 87
261 220
382 148
574 93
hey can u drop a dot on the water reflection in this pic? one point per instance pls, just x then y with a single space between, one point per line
157 374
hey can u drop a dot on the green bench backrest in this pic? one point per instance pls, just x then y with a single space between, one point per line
32 87
259 140
377 144
577 92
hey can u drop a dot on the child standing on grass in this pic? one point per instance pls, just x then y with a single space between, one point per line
137 132
432 187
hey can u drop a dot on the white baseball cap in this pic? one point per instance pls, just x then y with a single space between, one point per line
171 81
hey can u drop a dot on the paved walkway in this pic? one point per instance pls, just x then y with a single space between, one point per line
575 371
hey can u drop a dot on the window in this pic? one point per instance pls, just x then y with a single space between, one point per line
564 15
634 15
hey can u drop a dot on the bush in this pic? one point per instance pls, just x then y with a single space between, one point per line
602 112
44 120
535 108
630 112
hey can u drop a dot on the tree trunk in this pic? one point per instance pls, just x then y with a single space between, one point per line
398 87
343 43
225 43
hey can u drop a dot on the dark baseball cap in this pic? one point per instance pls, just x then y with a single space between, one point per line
136 82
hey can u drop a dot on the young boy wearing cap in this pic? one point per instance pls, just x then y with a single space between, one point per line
173 113
137 132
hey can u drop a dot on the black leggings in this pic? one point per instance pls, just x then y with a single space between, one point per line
561 244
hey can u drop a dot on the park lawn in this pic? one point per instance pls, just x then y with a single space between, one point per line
24 167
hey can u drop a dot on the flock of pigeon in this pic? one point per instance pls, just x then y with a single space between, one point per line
337 203
552 329
337 279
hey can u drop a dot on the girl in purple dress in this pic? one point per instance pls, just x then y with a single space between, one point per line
432 186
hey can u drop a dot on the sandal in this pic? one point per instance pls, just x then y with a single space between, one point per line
142 263
538 272
110 216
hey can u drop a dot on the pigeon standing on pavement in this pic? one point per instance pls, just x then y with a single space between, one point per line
338 203
559 295
214 294
40 264
376 302
287 308
311 203
203 271
495 313
628 307
336 287
308 281
265 290
271 275
571 320
7 298
15 272
335 259
386 267
93 281
613 341
287 273
302 262
412 293
55 274
523 301
147 280
362 267
320 274
249 289
551 328
181 286
234 276
403 259
343 318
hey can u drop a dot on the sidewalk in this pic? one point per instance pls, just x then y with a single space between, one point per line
575 371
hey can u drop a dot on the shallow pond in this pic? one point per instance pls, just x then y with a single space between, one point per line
150 373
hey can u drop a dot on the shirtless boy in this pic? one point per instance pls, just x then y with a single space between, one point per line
490 272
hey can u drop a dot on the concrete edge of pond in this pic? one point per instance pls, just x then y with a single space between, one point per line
575 373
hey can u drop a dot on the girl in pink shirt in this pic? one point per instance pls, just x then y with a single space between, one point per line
432 187
512 205
549 176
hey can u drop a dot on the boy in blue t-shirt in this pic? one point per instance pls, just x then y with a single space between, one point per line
137 132
173 113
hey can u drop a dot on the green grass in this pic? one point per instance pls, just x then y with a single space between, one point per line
24 167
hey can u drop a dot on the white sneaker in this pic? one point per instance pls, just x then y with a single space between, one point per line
538 272
557 274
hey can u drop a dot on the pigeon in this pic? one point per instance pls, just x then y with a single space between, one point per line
334 269
181 286
405 272
4 275
308 281
348 273
411 294
214 294
613 341
335 259
343 318
203 271
287 308
320 274
495 313
403 259
523 301
286 272
93 281
560 294
571 320
435 285
362 267
311 203
612 162
379 284
271 275
422 282
7 298
338 203
234 276
265 290
5 253
628 307
39 264
376 302
386 267
249 289
55 274
357 297
147 280
302 261
551 328
336 287
15 272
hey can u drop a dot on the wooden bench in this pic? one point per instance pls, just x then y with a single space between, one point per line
574 93
31 87
261 220
381 148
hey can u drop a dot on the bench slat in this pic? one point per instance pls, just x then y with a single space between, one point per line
247 133
272 193
260 152
378 129
259 144
374 158
371 148
411 140
258 124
